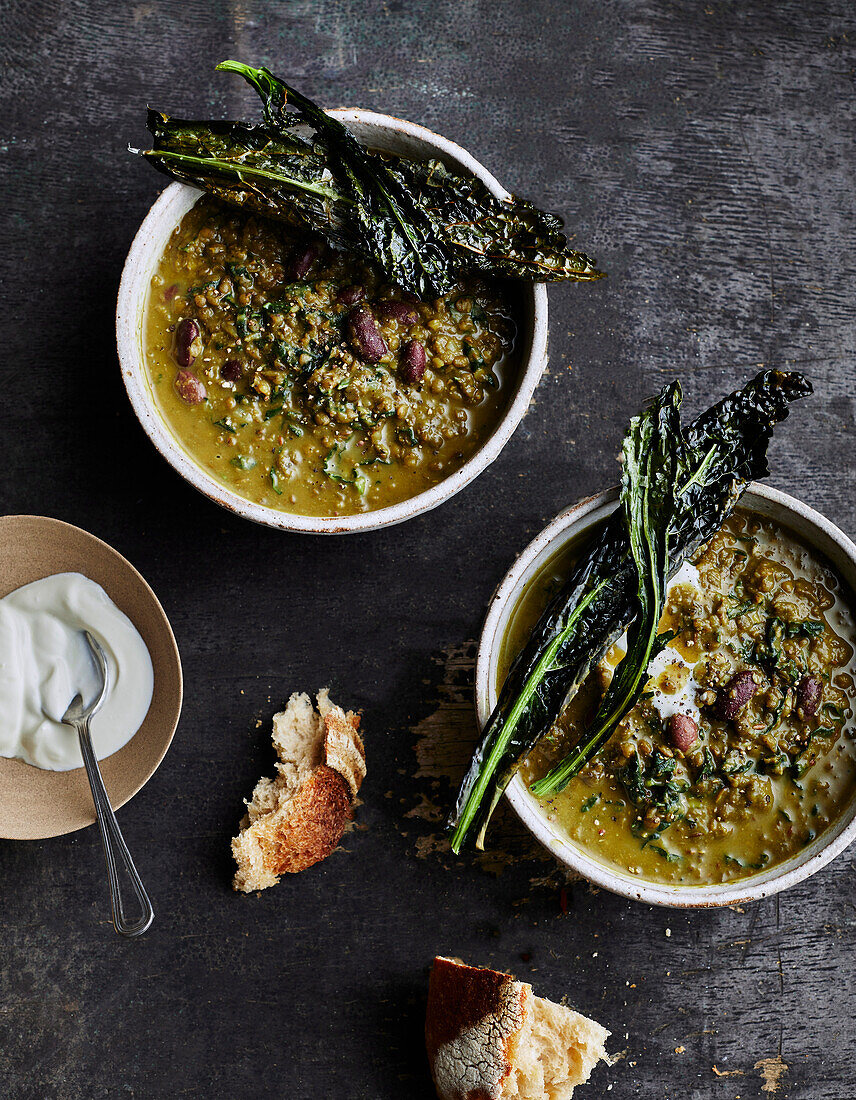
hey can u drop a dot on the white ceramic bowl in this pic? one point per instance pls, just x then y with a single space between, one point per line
569 525
381 132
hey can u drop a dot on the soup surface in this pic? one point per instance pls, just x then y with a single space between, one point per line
762 666
299 380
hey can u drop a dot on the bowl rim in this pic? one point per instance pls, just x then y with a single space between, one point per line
130 308
580 517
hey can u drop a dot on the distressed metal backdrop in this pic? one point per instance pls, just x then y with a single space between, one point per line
704 153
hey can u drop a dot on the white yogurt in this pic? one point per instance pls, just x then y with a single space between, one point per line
45 662
683 701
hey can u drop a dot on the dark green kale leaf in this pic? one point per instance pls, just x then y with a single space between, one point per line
420 224
394 229
649 498
279 176
721 452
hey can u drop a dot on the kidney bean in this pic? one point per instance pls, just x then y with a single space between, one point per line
189 388
365 335
809 691
170 292
187 342
735 695
301 260
682 730
231 370
350 295
411 363
391 310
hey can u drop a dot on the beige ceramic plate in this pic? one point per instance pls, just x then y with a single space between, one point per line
34 803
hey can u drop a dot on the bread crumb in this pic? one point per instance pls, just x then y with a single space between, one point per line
772 1070
727 1072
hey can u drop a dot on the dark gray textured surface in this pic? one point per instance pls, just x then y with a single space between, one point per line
704 154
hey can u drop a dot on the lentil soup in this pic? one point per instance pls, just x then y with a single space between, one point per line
294 376
741 750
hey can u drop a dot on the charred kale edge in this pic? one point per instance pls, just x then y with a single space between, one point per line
423 226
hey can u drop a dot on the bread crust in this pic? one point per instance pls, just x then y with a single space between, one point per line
489 1037
297 819
310 828
472 1028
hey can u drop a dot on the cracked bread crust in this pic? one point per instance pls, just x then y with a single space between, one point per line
472 1029
490 1038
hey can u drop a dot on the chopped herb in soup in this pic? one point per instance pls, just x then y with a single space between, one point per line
741 750
295 376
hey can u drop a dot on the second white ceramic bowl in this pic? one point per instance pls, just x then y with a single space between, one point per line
380 132
567 527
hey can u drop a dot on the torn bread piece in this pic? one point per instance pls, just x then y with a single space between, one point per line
298 817
490 1038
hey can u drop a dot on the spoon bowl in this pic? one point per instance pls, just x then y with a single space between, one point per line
76 711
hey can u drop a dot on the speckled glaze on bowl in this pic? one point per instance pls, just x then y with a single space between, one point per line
569 525
381 132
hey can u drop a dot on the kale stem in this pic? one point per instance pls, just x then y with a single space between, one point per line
242 171
471 806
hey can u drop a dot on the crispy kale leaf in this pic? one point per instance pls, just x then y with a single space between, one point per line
649 499
720 453
420 224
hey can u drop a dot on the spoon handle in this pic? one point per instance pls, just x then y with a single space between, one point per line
115 849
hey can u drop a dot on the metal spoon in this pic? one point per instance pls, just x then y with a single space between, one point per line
115 850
